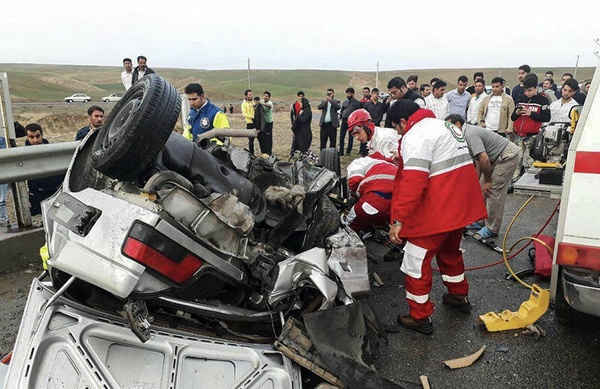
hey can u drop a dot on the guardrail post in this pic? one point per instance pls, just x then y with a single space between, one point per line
19 189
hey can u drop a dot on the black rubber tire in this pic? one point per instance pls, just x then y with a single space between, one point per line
326 221
329 158
136 128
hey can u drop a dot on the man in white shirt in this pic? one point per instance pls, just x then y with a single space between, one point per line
559 110
458 99
496 108
437 101
475 101
127 74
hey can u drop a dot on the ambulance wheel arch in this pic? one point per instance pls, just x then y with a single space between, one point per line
565 313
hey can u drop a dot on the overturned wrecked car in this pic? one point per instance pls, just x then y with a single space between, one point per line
175 264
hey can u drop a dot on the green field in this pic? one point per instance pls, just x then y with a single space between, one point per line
47 83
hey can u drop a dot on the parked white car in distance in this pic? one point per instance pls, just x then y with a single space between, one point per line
78 97
111 98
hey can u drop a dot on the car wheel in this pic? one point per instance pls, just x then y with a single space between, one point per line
330 159
69 101
136 128
326 221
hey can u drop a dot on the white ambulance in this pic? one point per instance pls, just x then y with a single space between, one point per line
575 284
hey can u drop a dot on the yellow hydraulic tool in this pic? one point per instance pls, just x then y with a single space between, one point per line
532 309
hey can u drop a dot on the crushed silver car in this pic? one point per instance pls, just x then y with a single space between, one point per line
175 264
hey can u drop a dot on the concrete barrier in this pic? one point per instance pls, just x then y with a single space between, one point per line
20 248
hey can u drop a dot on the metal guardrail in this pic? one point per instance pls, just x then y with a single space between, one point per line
28 162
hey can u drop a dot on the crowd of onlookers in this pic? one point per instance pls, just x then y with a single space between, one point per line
516 114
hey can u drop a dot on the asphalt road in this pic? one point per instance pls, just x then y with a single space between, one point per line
565 357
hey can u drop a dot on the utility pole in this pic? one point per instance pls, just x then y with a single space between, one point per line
249 83
377 76
576 66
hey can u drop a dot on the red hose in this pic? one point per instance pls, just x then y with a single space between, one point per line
518 251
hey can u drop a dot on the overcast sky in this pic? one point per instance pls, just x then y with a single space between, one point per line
306 34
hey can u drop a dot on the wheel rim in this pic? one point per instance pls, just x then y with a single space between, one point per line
121 119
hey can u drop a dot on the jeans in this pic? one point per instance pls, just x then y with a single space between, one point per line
3 194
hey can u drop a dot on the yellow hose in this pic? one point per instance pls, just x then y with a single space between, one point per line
504 251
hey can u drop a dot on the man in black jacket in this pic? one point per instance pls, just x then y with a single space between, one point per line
398 90
141 70
40 188
329 121
348 106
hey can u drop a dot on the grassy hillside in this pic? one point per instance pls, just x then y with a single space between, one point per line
46 83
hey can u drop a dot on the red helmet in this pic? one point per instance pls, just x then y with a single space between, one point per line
361 117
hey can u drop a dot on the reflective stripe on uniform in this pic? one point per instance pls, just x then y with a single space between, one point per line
375 177
453 279
450 164
418 299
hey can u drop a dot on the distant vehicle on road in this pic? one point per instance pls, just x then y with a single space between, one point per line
111 98
78 97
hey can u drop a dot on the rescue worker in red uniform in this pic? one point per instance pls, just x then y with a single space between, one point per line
377 139
436 193
371 179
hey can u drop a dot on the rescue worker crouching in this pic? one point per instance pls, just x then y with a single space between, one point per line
371 180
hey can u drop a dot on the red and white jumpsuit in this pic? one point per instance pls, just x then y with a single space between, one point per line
436 193
372 179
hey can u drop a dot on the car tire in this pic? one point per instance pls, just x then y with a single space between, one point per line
330 159
326 221
136 128
69 101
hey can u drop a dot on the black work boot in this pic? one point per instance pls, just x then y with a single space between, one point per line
459 302
424 326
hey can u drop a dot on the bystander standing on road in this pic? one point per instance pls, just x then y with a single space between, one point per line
329 121
375 107
476 99
458 99
40 188
348 106
267 133
248 113
398 90
127 74
496 108
95 115
141 70
528 116
560 109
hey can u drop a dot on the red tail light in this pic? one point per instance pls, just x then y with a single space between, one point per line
576 255
6 359
154 250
